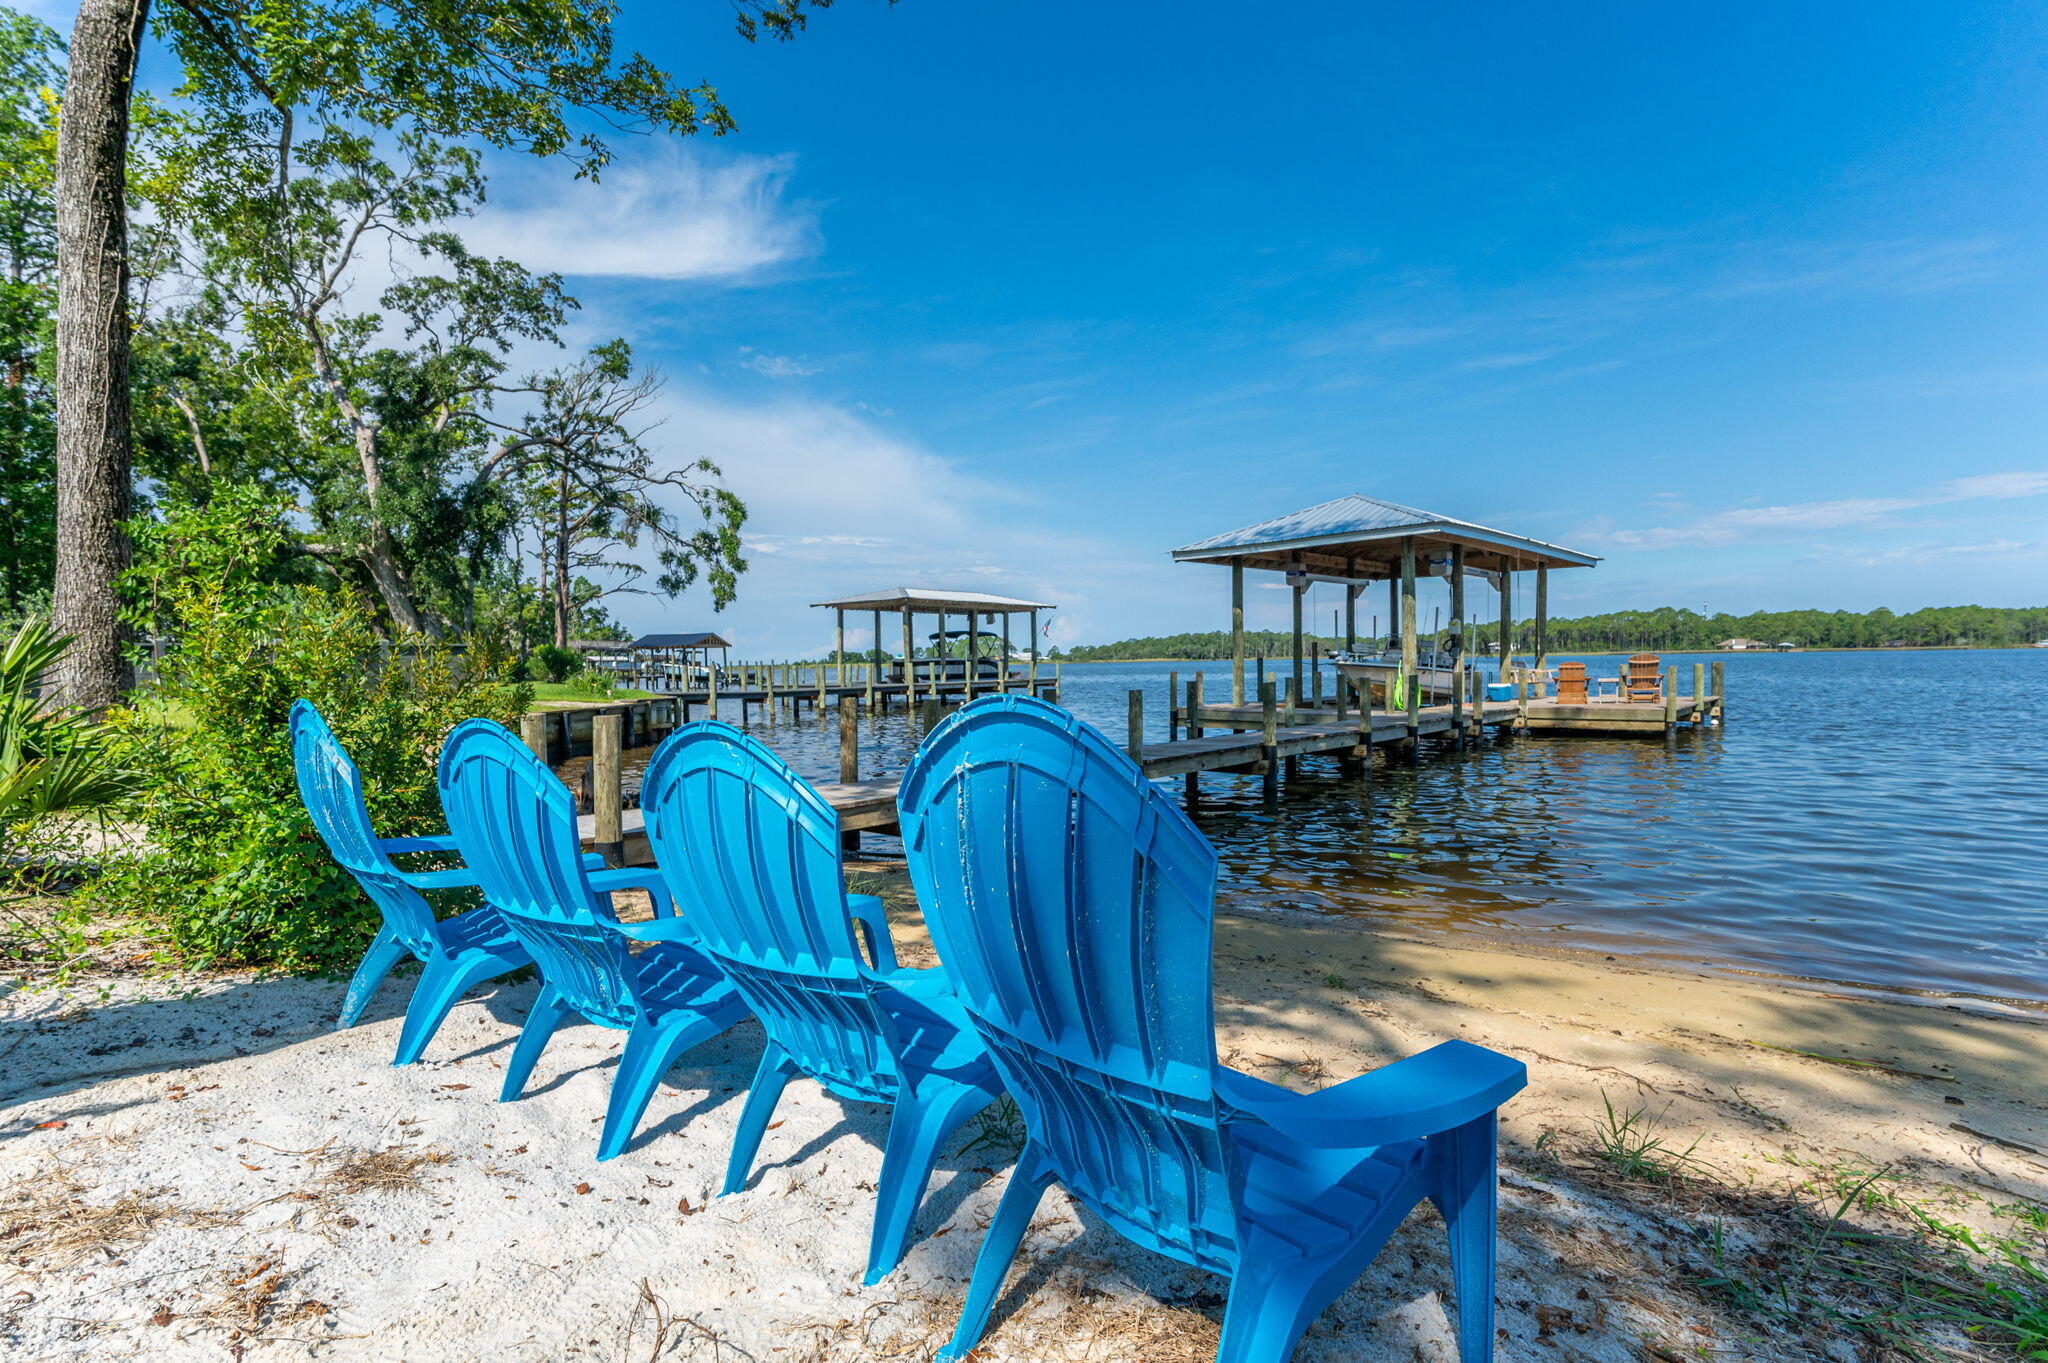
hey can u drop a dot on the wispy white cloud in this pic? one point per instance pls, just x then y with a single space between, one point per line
775 366
1978 551
667 213
839 502
1736 524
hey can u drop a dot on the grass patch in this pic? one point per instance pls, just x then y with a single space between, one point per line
47 1223
582 690
998 1128
1630 1144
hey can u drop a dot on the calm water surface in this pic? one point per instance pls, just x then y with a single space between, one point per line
1868 818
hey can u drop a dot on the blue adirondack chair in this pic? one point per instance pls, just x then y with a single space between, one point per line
515 823
456 953
1071 902
751 853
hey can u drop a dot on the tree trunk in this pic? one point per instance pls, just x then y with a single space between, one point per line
93 437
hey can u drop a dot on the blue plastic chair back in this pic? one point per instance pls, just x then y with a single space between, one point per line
750 853
1077 933
332 788
516 824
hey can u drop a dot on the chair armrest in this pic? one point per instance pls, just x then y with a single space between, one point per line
1442 1088
635 878
866 910
669 929
454 878
398 847
930 982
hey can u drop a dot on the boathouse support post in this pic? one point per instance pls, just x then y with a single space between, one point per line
606 801
1237 632
1393 606
1192 782
1269 745
943 662
1003 673
909 662
1542 624
1408 650
1134 732
1351 591
1507 617
1172 713
1457 666
1315 672
1034 653
839 646
970 661
1300 596
875 655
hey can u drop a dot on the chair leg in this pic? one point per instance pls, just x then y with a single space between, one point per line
441 984
385 952
774 1073
542 1019
1272 1300
650 1049
1467 1192
1028 1183
916 1129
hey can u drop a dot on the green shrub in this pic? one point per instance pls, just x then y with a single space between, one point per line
557 663
233 871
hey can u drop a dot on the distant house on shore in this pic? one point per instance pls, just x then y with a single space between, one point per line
1740 645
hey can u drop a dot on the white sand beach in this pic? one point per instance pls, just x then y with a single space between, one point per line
202 1168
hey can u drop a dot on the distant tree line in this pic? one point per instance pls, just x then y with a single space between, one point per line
1666 629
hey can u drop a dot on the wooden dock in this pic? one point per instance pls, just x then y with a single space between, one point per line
870 806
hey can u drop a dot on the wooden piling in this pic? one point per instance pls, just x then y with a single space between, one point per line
1699 695
1720 693
1458 617
1172 713
1237 632
1410 660
928 711
607 801
1269 744
849 740
533 731
1670 698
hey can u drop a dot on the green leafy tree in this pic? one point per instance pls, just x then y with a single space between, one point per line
31 80
233 870
258 75
592 487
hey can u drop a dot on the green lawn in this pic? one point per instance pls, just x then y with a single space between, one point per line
545 693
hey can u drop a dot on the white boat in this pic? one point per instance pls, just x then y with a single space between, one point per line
1374 672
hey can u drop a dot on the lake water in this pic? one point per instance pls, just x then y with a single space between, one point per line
1877 819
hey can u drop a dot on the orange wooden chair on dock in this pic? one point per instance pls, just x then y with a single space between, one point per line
1571 684
1643 679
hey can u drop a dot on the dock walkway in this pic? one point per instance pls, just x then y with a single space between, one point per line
870 806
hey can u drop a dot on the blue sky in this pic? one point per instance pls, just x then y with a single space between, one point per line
1014 296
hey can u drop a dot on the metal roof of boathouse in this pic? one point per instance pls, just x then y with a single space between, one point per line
933 600
1356 531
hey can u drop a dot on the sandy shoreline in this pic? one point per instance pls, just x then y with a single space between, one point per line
220 1128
